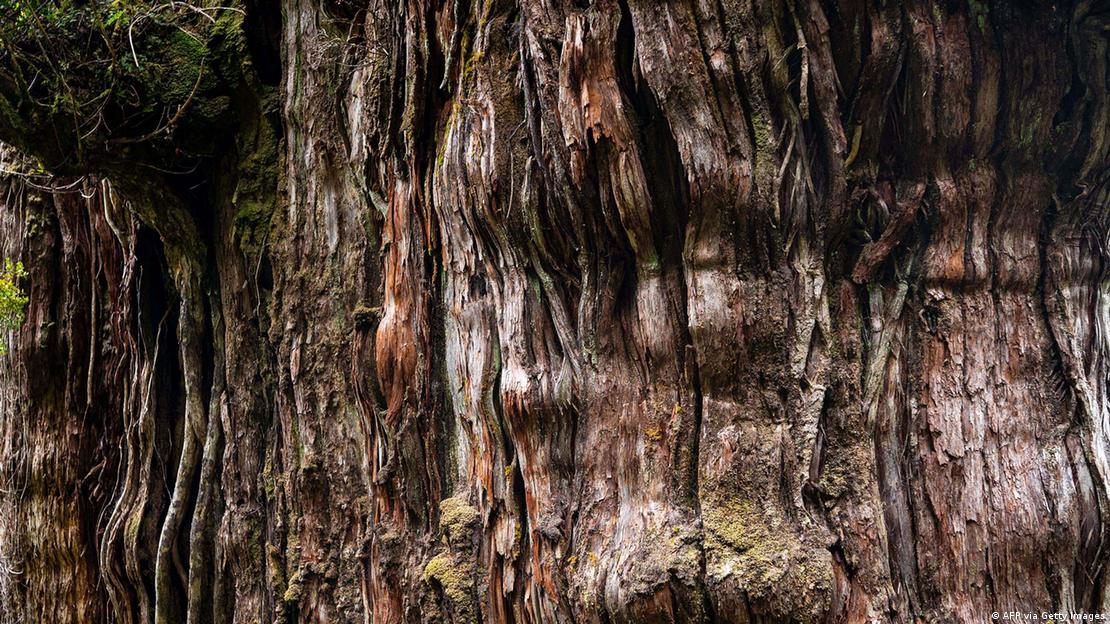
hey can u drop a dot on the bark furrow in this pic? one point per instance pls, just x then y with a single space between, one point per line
602 311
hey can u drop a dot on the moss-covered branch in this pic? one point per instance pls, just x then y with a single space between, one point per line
95 86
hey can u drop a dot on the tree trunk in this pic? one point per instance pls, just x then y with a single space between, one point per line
600 311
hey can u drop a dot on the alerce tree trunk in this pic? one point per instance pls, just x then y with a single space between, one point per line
593 311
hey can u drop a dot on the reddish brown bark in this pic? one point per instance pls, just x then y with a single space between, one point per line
610 311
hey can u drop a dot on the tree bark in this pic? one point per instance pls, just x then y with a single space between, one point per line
602 311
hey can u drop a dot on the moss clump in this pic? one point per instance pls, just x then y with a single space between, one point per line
452 570
182 65
457 584
454 512
843 470
457 519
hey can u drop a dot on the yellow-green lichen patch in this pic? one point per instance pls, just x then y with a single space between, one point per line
761 129
740 527
764 555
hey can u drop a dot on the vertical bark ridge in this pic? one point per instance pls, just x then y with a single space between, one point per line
609 311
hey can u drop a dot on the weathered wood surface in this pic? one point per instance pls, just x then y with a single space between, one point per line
610 311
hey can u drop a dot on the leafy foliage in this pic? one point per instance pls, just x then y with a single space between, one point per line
13 301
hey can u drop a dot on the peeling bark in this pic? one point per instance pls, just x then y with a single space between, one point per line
610 311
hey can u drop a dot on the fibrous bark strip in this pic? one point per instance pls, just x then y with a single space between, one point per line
608 311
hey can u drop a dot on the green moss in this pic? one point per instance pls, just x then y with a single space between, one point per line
119 82
441 147
472 62
978 10
269 485
255 195
184 57
10 119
